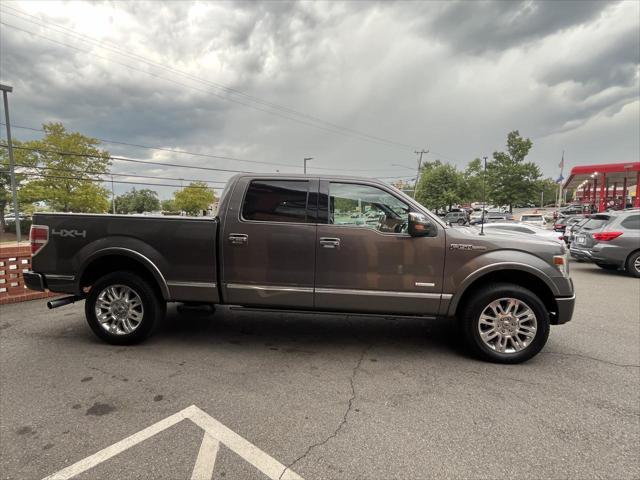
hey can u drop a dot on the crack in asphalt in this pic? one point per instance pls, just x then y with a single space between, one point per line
342 423
595 359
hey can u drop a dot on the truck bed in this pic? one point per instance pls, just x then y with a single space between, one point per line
180 252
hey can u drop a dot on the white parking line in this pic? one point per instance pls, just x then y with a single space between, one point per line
215 434
206 461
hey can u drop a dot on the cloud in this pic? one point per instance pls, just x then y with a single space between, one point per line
477 27
453 78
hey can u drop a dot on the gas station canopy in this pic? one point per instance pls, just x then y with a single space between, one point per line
605 185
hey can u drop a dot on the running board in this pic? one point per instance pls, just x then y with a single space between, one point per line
330 312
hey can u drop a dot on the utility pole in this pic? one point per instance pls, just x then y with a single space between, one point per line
421 152
113 197
305 160
12 171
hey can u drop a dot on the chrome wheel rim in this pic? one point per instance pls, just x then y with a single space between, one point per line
507 325
119 309
636 264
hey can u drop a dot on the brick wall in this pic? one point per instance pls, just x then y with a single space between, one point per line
14 260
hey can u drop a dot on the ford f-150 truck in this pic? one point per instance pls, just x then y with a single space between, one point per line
312 243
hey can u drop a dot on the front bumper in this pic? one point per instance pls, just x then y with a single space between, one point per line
34 281
565 309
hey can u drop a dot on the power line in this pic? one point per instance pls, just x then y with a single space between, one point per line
102 180
331 130
118 142
132 175
208 155
116 49
123 159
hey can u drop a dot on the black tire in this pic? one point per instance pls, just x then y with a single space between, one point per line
476 305
630 266
461 221
153 305
605 266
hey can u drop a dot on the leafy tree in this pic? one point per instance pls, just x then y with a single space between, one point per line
168 205
439 186
21 159
471 185
137 201
549 188
194 198
68 183
510 179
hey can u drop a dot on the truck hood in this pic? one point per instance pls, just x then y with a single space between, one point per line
541 247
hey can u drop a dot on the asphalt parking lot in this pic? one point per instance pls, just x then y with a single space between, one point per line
328 396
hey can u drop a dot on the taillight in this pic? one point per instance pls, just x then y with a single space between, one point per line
606 236
38 237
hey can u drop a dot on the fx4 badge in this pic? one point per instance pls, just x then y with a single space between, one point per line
69 233
464 246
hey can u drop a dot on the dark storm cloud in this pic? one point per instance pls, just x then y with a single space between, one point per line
614 64
454 78
477 27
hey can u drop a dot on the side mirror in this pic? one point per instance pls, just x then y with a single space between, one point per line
420 225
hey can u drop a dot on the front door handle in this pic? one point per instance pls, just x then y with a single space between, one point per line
328 242
238 239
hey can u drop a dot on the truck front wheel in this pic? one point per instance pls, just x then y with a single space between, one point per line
122 308
505 323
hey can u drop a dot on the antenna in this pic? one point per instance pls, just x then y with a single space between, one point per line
484 195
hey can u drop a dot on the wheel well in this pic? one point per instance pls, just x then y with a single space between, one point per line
114 263
626 260
518 277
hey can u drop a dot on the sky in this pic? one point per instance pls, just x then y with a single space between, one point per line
358 86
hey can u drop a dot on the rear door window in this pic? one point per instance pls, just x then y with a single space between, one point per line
631 223
276 201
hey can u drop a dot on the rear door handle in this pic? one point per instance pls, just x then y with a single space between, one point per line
238 239
328 242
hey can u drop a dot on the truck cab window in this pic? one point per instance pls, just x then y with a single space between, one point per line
368 207
276 201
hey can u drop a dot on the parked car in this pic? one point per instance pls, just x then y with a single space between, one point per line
526 229
561 224
275 245
572 229
458 217
534 219
611 241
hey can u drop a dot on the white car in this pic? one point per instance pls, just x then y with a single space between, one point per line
527 229
534 219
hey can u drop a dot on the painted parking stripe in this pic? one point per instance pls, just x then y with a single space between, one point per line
215 434
206 461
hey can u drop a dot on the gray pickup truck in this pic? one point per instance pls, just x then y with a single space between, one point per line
307 243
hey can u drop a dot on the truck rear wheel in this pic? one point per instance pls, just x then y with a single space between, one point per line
505 323
123 309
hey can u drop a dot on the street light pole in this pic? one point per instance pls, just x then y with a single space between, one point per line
5 90
305 163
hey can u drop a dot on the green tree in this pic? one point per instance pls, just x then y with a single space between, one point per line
24 165
439 186
68 183
510 179
549 188
194 198
137 201
471 185
168 205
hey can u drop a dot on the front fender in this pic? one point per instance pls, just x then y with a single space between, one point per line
474 268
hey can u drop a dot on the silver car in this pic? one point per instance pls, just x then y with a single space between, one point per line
611 241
